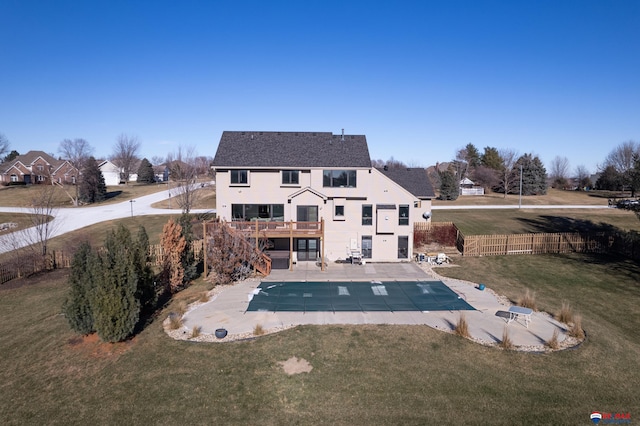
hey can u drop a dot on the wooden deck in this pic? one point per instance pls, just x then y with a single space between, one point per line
279 229
269 229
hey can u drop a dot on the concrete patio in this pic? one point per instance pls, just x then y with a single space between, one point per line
228 309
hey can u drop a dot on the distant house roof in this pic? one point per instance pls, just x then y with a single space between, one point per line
466 181
291 149
29 158
413 179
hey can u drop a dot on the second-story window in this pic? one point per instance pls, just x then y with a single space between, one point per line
339 178
239 177
290 177
403 215
367 214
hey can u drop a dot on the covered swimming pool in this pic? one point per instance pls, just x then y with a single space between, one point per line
350 296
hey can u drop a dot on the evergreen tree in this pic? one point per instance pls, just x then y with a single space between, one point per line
92 187
534 176
116 309
491 158
145 292
609 179
77 307
10 156
145 172
188 258
473 155
448 186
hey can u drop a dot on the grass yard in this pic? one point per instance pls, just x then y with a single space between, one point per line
361 374
522 221
22 196
96 234
553 196
22 219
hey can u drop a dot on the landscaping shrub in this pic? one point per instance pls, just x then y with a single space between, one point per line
175 321
258 330
462 326
173 245
77 307
566 313
506 342
553 343
576 328
528 300
109 289
195 331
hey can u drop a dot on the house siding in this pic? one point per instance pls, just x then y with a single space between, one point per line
373 188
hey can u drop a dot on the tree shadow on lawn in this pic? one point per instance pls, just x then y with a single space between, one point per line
567 224
112 194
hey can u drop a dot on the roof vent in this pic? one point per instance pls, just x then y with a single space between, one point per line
342 139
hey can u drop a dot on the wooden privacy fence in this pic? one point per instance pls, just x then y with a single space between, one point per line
560 242
445 233
27 265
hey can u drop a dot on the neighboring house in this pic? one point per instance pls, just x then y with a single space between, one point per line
161 172
37 167
468 187
325 183
113 174
110 172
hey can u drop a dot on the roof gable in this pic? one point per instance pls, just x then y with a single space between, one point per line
291 150
305 190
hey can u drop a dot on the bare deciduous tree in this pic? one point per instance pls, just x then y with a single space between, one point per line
43 211
28 248
156 160
125 155
391 163
559 171
485 177
203 165
183 176
230 255
76 151
4 145
509 158
582 177
621 157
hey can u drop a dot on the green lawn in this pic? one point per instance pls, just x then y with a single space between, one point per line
361 374
522 221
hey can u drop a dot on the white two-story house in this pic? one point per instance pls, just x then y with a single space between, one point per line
320 191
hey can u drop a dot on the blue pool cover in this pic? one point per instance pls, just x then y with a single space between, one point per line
365 296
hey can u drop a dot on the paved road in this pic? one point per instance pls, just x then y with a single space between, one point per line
541 206
71 219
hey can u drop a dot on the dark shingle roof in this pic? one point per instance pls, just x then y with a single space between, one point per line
414 180
28 159
291 149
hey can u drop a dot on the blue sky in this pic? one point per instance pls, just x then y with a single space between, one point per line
420 79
